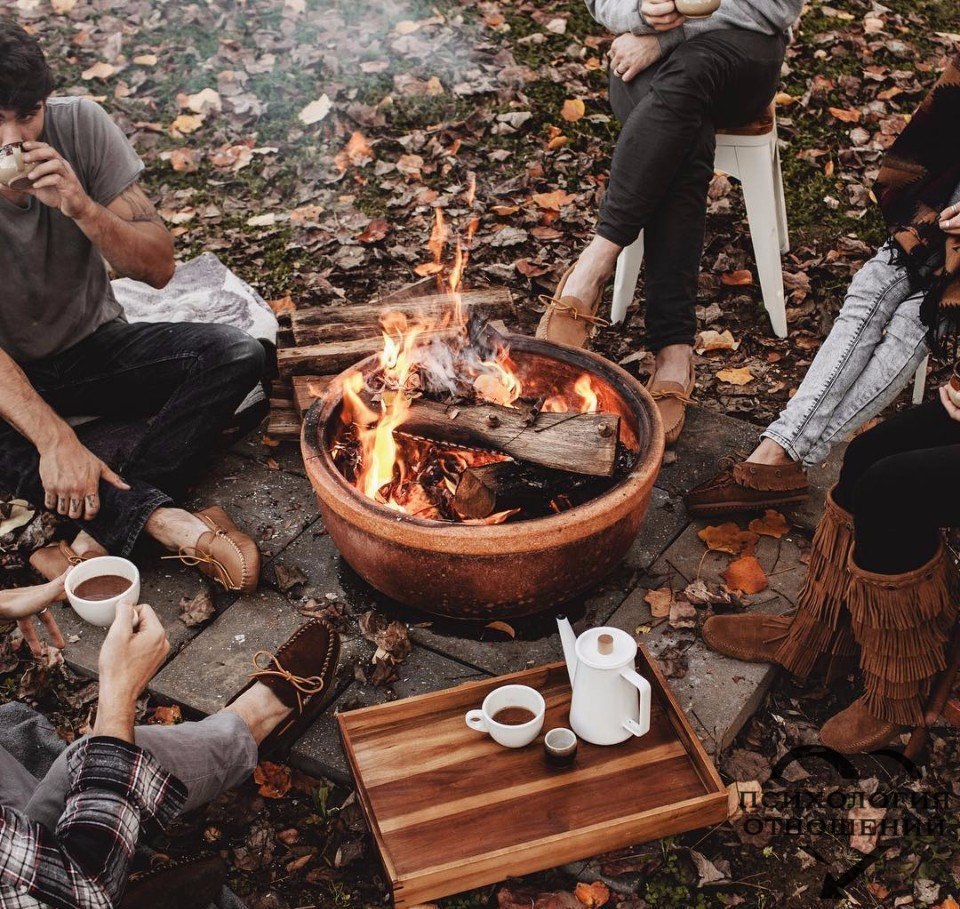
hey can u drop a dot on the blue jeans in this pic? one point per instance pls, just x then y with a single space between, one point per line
874 347
167 391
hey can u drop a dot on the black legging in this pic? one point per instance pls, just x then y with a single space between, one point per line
901 481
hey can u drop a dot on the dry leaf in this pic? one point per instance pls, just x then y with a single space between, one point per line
715 340
682 614
594 895
186 160
505 210
866 826
315 111
375 231
282 305
741 376
273 779
741 278
728 538
146 60
198 610
745 575
573 110
166 716
844 115
62 7
772 524
660 602
356 152
203 102
552 201
289 576
185 124
504 627
99 70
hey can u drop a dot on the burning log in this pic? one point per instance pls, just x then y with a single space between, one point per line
500 487
576 442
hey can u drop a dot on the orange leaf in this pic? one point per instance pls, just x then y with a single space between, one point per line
844 115
167 716
715 340
741 376
376 230
772 524
594 895
741 278
186 123
728 538
745 575
504 627
660 602
185 160
425 269
282 305
273 779
357 152
557 142
504 210
573 110
552 201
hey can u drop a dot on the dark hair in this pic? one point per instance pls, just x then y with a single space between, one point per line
25 77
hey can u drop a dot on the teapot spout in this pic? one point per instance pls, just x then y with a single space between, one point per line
569 641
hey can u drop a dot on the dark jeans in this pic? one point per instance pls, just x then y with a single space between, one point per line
176 385
663 161
900 481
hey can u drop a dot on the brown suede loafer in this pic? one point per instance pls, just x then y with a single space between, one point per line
856 731
223 553
191 883
748 487
53 560
750 637
569 320
672 400
301 674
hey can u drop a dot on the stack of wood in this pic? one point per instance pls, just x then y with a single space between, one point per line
322 341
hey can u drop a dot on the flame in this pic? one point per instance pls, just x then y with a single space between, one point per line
584 399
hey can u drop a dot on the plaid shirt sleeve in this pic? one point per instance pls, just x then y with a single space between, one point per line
116 789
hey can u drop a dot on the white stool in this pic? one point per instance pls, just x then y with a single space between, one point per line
920 380
750 154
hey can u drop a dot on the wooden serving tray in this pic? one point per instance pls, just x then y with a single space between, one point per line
452 810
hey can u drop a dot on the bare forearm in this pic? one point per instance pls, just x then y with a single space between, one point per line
115 716
142 250
26 411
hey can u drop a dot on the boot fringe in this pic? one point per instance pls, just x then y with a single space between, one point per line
908 712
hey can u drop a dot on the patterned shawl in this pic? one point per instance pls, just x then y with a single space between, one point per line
919 174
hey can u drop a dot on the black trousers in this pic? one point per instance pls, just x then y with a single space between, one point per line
901 481
663 161
167 391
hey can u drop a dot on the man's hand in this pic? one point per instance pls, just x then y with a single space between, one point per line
28 603
950 221
71 474
631 54
130 656
661 15
53 181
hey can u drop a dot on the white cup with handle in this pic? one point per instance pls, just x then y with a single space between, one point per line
102 611
500 711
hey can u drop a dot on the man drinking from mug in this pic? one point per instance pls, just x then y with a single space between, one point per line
66 349
672 82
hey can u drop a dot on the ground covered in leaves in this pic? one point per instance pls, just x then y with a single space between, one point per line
308 142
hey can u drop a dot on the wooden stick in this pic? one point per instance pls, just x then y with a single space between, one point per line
499 487
306 390
579 443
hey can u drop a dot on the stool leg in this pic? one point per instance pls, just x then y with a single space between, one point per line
625 279
782 228
920 380
759 193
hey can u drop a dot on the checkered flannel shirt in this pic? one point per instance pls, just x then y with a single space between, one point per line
116 790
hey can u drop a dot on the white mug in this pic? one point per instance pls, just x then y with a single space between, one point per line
102 612
506 734
12 167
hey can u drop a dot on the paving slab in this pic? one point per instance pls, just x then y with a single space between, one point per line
312 552
319 751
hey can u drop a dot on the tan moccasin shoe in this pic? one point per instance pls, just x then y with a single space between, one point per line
569 320
223 553
672 399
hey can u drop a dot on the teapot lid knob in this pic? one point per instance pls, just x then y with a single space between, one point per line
605 643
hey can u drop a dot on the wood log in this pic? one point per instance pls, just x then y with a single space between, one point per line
306 390
322 359
283 423
500 487
575 442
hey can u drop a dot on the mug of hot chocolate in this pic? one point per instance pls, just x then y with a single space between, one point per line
13 170
96 586
512 715
697 9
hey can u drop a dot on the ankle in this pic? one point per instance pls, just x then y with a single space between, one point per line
771 454
260 709
175 528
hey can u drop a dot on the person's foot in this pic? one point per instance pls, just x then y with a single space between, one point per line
53 560
571 318
671 384
221 551
748 486
180 884
290 688
857 731
750 637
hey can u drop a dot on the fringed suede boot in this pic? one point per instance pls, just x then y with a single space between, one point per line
819 629
902 623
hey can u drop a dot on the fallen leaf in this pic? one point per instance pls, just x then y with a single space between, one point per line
504 627
186 124
265 220
741 278
505 210
289 576
741 376
197 610
99 70
375 231
844 115
745 575
62 7
707 871
728 538
186 160
205 101
146 60
357 152
166 716
682 614
282 306
315 111
553 201
660 602
594 895
865 819
273 779
772 524
715 340
573 110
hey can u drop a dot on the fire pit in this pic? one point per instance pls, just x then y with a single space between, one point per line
485 570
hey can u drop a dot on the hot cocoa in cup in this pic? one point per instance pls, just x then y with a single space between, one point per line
13 170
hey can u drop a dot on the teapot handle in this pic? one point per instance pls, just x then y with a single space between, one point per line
634 678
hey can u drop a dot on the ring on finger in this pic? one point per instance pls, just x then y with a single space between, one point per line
43 611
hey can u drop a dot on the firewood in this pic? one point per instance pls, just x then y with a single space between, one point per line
323 359
283 423
500 487
575 442
306 390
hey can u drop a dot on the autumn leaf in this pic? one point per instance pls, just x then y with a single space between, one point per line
166 716
203 102
273 779
682 614
503 627
196 610
186 124
844 115
594 895
553 201
425 269
745 575
62 7
557 142
185 160
505 210
741 376
356 152
728 538
315 111
99 70
375 231
573 110
741 278
772 524
282 305
660 602
715 340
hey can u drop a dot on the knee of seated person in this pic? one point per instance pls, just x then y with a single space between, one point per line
882 492
861 454
229 346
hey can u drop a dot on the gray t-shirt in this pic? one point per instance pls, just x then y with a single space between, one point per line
55 288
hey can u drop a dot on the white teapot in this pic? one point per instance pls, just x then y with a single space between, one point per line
611 700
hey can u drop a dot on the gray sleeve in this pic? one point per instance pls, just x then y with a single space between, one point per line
108 163
781 14
619 16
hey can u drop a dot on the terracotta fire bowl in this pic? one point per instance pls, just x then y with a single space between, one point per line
513 569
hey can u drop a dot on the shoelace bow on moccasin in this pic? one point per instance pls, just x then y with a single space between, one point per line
192 557
308 686
569 309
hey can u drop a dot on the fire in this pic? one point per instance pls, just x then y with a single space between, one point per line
583 400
